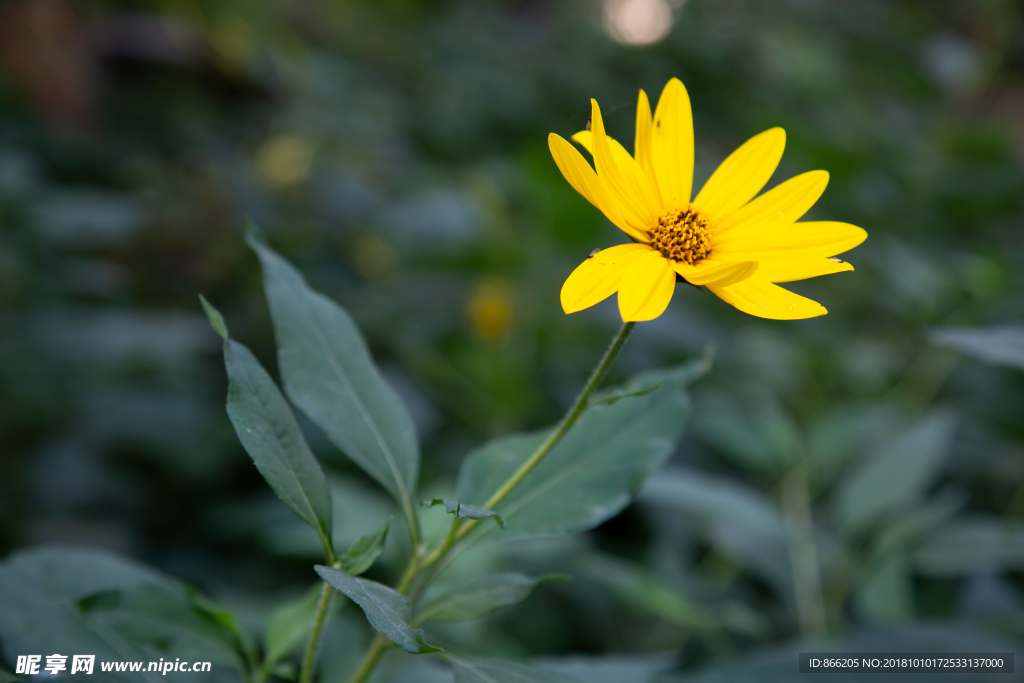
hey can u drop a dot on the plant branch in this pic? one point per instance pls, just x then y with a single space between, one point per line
319 617
373 654
803 553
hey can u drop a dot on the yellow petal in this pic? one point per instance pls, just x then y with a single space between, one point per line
646 287
643 143
622 176
585 139
672 143
742 175
789 270
585 181
599 276
716 273
792 241
765 300
786 202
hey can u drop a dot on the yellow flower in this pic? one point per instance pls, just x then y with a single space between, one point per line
725 239
490 310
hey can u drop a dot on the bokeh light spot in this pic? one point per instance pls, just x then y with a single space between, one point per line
637 22
285 160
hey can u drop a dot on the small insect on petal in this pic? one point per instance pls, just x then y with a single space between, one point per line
836 259
594 253
588 123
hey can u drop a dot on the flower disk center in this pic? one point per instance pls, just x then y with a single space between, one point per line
682 236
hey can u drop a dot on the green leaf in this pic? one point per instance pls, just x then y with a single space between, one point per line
972 544
482 596
216 319
612 395
365 551
267 429
72 574
640 589
60 599
228 623
917 522
836 436
739 521
36 623
455 507
755 430
499 671
170 622
595 470
1002 345
289 626
887 593
896 475
386 609
328 372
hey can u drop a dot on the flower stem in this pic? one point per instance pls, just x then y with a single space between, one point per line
373 654
319 617
803 553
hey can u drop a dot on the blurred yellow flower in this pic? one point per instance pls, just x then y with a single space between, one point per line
736 245
285 160
490 310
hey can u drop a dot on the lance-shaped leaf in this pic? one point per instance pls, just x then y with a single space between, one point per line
645 591
743 524
270 435
1002 345
973 544
54 599
598 467
896 475
482 596
171 620
328 372
455 507
386 609
365 551
499 671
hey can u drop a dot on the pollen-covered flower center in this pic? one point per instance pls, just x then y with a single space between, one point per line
682 236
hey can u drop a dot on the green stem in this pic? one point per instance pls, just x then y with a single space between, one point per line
803 553
411 571
319 618
376 650
413 521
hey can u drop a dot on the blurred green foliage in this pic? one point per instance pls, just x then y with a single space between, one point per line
843 477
